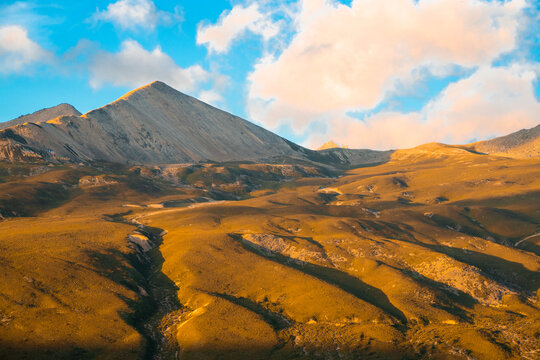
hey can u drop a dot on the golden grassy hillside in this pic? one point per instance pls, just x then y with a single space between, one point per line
422 255
433 254
71 284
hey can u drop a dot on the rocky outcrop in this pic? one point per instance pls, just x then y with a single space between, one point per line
270 245
94 181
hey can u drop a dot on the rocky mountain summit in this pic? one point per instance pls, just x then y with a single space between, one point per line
156 124
152 124
331 145
42 115
521 144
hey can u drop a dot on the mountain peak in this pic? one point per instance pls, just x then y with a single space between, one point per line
43 115
158 84
331 145
149 125
155 85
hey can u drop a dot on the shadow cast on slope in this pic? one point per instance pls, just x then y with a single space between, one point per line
22 350
275 320
18 351
342 280
507 273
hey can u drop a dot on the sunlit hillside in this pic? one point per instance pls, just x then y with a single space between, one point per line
270 180
432 254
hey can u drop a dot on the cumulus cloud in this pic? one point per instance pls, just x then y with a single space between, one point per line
351 58
133 14
493 101
233 24
135 66
18 51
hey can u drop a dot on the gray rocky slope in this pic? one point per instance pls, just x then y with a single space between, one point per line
521 144
42 115
156 124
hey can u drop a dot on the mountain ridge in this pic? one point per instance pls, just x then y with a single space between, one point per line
156 124
151 124
524 143
42 115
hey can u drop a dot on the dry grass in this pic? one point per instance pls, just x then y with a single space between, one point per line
415 256
70 285
58 297
423 256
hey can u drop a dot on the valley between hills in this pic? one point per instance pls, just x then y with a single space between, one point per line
279 253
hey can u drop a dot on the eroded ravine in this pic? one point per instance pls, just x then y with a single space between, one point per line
154 317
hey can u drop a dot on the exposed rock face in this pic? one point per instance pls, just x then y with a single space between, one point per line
93 181
354 157
42 115
270 245
142 241
462 277
521 144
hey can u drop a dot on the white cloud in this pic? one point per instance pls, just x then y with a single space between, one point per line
135 66
211 97
349 58
18 51
133 14
493 101
233 24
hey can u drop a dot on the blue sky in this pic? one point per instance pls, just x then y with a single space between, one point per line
365 73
